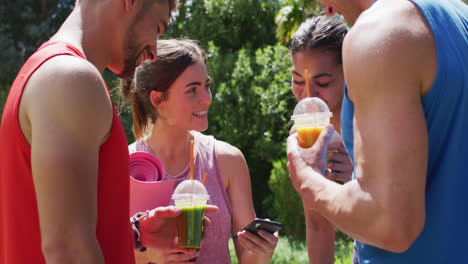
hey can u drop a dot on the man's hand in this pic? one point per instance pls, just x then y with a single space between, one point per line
310 162
340 167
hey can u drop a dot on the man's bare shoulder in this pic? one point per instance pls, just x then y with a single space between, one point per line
389 23
66 90
391 38
65 75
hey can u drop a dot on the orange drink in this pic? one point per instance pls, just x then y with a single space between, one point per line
310 117
308 135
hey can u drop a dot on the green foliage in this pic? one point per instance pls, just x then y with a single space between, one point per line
288 20
343 252
291 16
24 25
251 109
287 203
3 97
229 24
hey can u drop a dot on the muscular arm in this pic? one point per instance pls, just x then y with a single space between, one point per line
386 69
236 176
70 116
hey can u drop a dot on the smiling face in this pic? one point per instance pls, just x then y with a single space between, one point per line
326 79
188 100
140 42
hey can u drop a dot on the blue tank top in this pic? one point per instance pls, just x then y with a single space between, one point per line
444 237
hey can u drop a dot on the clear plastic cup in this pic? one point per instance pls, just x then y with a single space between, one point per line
190 196
310 116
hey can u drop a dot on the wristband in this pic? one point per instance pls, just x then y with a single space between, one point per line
135 221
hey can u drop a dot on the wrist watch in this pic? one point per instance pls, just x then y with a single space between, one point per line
134 222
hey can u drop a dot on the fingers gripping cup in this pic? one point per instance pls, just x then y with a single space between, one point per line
190 196
310 116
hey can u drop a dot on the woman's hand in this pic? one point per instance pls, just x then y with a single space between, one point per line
340 167
159 235
171 255
261 243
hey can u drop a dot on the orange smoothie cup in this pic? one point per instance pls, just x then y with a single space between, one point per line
310 116
308 136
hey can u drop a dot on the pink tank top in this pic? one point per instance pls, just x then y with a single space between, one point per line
215 247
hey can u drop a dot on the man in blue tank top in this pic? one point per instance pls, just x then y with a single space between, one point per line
406 69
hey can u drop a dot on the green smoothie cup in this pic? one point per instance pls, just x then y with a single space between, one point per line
190 196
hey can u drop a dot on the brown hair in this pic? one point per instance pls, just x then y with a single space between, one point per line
173 57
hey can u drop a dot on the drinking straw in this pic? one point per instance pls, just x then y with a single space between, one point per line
191 159
204 178
306 73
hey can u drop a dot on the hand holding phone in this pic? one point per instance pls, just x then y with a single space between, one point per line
264 243
263 224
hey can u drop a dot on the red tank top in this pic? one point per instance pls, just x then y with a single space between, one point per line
20 237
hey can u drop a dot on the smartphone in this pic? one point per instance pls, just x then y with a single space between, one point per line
262 224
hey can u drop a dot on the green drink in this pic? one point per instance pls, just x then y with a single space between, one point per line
190 196
190 226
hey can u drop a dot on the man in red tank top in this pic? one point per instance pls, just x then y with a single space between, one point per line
64 166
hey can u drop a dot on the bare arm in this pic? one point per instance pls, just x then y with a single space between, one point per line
70 116
250 248
386 76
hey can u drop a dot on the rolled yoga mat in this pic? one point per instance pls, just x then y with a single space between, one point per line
147 190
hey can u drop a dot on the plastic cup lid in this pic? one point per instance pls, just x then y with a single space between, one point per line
311 106
190 189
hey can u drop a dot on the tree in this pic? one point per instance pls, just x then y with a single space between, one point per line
251 110
231 25
291 16
23 29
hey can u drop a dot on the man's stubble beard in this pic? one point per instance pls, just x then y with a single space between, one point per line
131 54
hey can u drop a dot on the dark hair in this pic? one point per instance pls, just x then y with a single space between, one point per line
320 32
173 57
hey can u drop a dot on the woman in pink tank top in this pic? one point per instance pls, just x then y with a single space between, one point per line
170 101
